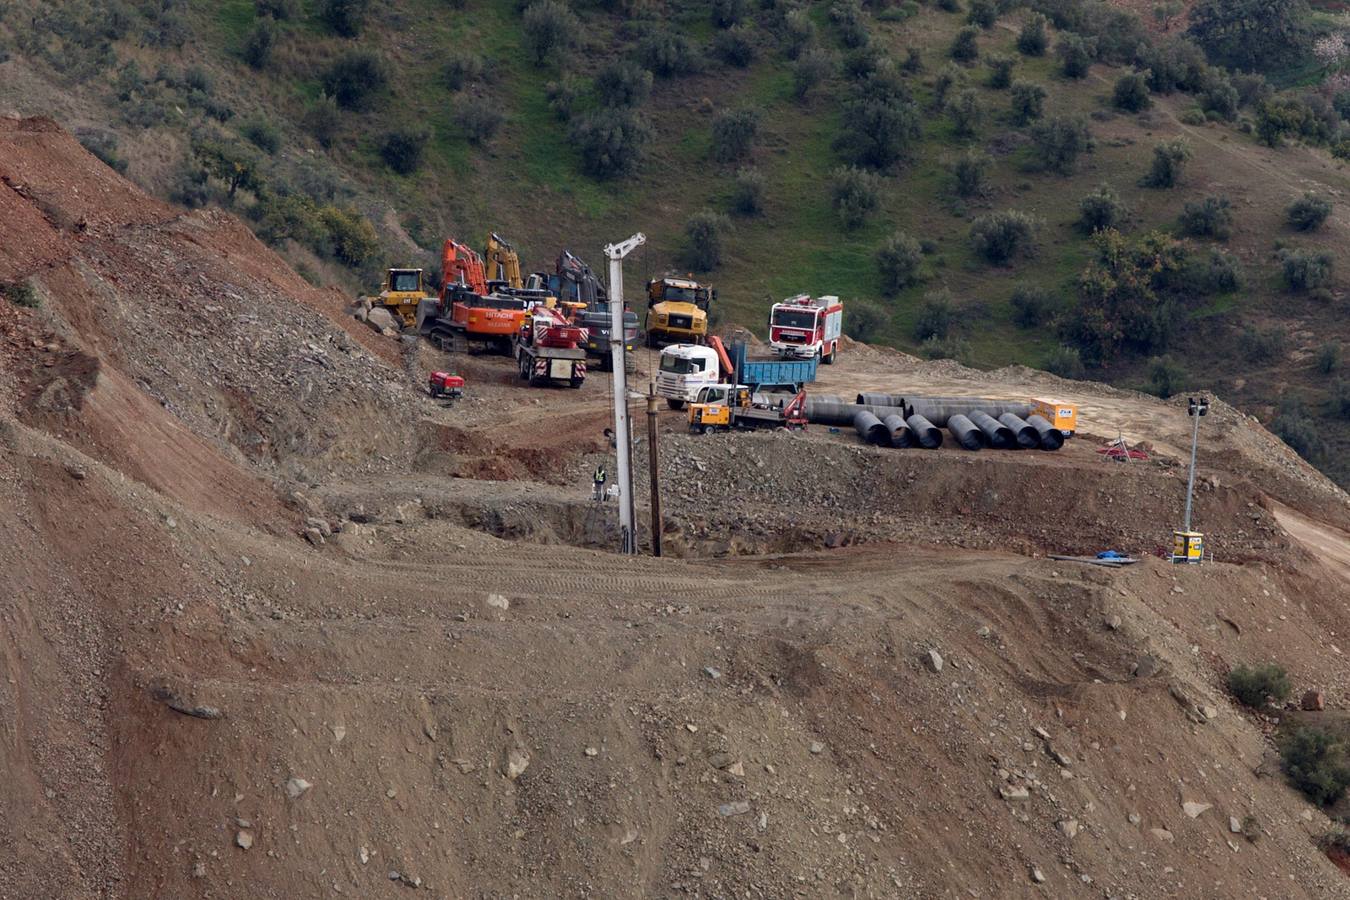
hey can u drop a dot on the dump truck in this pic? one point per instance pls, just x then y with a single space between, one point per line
548 349
677 311
686 369
726 406
402 291
805 327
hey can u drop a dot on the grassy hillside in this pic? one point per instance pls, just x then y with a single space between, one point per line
160 87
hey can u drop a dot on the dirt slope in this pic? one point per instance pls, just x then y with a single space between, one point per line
455 693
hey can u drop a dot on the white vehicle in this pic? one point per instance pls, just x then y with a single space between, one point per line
804 328
685 370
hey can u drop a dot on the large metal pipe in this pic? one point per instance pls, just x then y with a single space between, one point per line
1051 437
873 399
833 411
1027 438
901 436
924 432
1000 436
871 429
965 432
939 409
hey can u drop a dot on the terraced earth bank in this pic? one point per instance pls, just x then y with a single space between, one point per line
276 625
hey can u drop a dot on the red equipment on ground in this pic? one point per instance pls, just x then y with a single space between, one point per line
443 384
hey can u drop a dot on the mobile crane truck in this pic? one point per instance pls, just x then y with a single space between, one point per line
548 349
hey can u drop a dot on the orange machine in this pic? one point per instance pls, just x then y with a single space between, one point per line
466 314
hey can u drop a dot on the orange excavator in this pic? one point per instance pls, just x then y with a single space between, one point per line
467 315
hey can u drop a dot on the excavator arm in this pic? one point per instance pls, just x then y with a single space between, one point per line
460 265
503 263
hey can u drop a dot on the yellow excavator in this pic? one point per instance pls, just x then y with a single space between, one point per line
677 311
402 290
502 263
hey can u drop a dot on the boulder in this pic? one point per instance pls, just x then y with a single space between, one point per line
381 320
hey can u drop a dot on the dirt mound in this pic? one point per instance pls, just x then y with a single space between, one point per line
263 638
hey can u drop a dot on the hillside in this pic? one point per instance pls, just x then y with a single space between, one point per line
279 625
168 92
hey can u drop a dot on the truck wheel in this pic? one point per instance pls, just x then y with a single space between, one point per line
523 365
829 360
576 382
651 340
706 429
674 404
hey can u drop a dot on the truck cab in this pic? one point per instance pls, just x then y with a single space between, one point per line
803 327
685 370
677 311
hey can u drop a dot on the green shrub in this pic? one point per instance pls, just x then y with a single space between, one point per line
1329 357
1213 273
548 28
402 149
1131 93
799 32
849 19
747 192
1165 377
935 319
21 293
562 96
1100 210
1306 270
1028 102
104 146
1000 71
461 68
262 134
946 348
1169 159
322 119
667 53
966 113
354 241
478 119
861 64
855 194
1058 141
1339 403
1317 763
230 163
734 47
1033 40
1076 54
899 259
258 44
913 63
623 83
970 173
355 79
880 131
951 6
1031 306
1065 361
809 69
951 76
611 142
345 17
733 133
1261 344
1308 212
983 13
999 237
281 10
965 47
1297 429
726 13
865 321
703 239
1218 96
1210 217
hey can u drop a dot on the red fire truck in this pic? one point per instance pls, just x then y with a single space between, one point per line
803 327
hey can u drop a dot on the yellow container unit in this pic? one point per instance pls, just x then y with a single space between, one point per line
1188 547
1063 416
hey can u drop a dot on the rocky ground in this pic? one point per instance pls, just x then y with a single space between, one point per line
280 625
